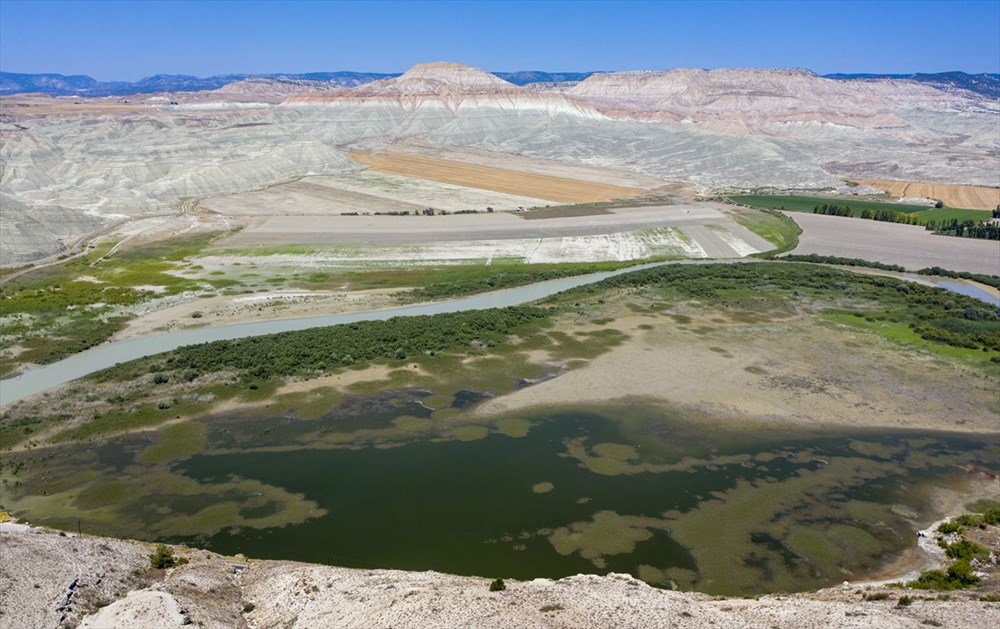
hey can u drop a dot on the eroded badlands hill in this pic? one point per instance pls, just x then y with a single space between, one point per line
68 166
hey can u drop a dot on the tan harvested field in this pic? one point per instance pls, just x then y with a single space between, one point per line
549 187
910 246
362 192
541 166
953 195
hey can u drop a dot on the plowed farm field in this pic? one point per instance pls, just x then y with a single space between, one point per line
953 195
549 187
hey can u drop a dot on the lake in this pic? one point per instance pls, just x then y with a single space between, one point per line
737 510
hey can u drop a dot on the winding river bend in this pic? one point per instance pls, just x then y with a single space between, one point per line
95 359
41 379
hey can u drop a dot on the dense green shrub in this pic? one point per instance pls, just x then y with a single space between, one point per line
163 557
498 586
965 550
958 576
951 526
320 350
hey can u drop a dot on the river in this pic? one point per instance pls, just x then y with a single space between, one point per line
40 379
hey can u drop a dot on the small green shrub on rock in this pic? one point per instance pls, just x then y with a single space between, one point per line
498 586
163 557
949 527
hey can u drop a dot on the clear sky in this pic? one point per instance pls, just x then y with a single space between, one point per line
132 39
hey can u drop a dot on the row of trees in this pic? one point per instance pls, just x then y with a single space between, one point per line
877 214
967 229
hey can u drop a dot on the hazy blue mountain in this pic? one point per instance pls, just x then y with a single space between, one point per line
78 85
985 84
524 77
81 85
59 85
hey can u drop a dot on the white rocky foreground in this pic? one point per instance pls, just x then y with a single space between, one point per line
56 580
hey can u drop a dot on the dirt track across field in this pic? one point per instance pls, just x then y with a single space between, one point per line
953 195
558 189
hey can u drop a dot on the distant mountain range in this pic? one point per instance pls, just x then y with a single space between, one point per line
82 85
985 84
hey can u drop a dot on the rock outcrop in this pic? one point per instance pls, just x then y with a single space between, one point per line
735 100
63 580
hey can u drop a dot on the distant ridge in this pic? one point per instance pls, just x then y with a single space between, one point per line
985 83
82 85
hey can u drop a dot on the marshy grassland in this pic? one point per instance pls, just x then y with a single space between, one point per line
54 312
783 402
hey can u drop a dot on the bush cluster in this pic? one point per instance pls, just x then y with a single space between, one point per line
320 350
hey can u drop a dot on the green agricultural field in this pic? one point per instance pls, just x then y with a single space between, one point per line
794 203
941 214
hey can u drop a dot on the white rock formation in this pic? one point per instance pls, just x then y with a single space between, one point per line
51 581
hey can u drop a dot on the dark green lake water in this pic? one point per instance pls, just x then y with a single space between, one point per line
469 507
725 509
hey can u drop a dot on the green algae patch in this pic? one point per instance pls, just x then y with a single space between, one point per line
104 494
608 533
616 451
761 525
438 401
470 433
614 459
543 487
413 424
652 575
514 427
874 449
175 442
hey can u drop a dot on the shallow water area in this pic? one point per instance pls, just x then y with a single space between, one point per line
378 482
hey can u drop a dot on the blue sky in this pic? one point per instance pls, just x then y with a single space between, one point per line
131 39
